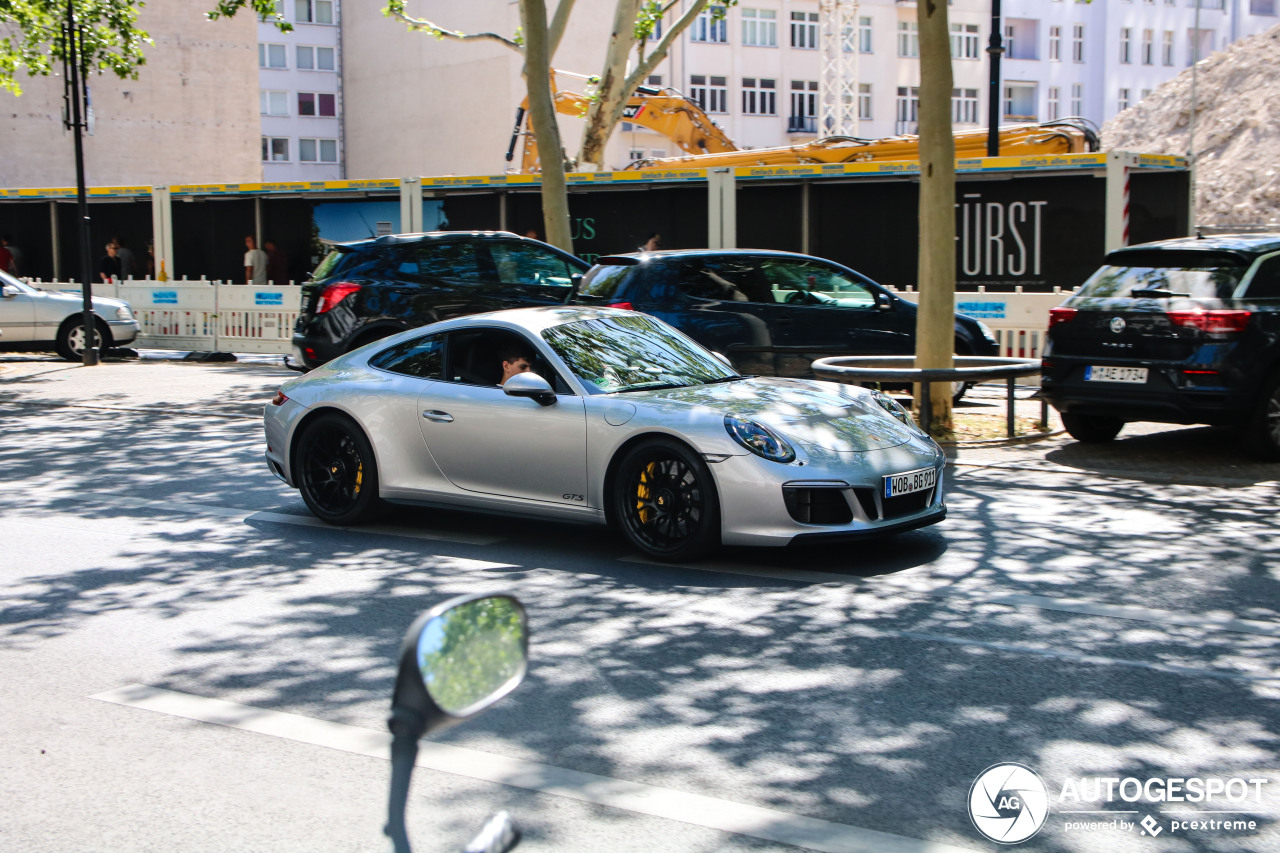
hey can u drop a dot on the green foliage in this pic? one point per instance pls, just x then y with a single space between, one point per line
648 19
33 42
471 652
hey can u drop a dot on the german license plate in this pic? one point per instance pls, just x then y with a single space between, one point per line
909 481
1134 375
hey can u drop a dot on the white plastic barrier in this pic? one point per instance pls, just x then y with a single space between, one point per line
207 316
213 316
1019 319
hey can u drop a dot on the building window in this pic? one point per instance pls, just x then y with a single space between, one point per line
1022 38
318 150
864 34
1198 49
1020 101
760 27
907 115
759 97
316 58
1262 7
1077 43
710 94
804 30
1077 99
908 38
654 80
1148 47
272 56
1055 44
864 101
317 104
964 41
273 103
707 28
1166 47
1126 45
275 150
313 11
1055 105
1122 101
964 106
804 107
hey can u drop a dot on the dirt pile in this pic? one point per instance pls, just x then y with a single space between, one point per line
1237 131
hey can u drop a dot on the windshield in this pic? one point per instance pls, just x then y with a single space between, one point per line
1208 281
330 264
634 353
7 280
601 282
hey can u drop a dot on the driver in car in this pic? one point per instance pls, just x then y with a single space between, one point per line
515 359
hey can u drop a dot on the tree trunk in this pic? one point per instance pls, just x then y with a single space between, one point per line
935 323
542 114
610 89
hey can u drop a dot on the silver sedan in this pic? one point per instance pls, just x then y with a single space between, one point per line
600 415
35 319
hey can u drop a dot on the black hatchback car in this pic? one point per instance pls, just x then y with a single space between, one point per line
770 313
366 290
1182 331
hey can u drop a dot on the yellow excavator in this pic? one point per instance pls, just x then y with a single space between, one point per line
671 114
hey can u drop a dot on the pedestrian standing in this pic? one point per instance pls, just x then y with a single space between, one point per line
109 266
277 263
125 254
255 262
14 263
6 259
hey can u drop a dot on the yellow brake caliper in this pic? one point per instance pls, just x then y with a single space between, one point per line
642 493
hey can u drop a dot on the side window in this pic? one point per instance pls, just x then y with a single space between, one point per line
454 262
518 263
807 283
420 357
1266 279
475 358
725 279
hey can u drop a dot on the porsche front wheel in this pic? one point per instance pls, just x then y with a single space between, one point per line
665 502
337 474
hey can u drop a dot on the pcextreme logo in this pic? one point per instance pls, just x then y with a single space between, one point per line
1008 803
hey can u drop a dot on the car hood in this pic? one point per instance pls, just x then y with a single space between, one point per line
827 415
100 303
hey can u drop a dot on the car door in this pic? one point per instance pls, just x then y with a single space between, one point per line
490 443
17 312
440 280
530 273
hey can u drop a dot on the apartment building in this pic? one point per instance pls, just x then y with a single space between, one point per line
300 92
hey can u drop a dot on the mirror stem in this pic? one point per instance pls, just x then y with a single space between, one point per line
406 727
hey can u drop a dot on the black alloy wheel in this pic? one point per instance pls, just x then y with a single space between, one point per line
336 471
1262 434
1092 429
665 501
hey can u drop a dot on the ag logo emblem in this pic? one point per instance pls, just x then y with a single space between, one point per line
1117 324
1008 803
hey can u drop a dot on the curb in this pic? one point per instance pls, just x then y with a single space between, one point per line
1029 438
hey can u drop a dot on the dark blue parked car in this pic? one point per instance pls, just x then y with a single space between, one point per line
770 313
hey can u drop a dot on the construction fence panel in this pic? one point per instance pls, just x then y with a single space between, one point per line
1019 320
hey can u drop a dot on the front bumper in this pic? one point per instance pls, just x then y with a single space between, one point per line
123 331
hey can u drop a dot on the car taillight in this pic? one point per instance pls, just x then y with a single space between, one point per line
1220 321
333 294
625 306
1061 315
279 399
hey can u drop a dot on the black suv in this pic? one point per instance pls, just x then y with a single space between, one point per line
367 290
1181 331
770 313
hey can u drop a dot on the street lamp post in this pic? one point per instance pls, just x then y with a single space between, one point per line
995 49
76 121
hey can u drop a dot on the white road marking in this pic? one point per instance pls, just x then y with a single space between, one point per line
686 807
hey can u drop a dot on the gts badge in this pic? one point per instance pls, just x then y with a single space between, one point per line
571 497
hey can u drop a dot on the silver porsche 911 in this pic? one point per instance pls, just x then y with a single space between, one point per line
602 416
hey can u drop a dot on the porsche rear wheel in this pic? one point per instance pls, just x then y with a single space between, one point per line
337 474
665 501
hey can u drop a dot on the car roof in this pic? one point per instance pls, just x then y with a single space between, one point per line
1253 244
630 258
423 236
535 320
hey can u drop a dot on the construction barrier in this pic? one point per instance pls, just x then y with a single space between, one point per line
214 316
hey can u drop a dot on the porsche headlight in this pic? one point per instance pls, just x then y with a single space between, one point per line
894 408
759 439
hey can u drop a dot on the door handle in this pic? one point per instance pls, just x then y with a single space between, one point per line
438 416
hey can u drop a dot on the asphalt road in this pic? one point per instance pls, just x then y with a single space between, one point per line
191 662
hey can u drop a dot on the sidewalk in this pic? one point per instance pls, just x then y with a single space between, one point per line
161 381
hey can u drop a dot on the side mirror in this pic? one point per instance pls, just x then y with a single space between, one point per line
884 301
575 285
530 385
723 358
